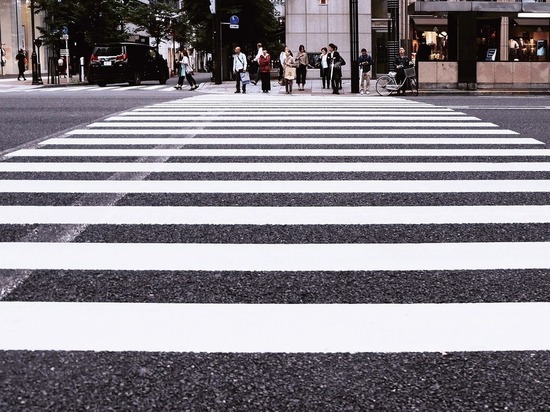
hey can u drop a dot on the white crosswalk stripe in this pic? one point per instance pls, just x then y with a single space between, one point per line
395 182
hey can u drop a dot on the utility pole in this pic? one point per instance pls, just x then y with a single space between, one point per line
217 43
354 44
35 63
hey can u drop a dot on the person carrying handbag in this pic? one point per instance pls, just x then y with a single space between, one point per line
290 71
189 71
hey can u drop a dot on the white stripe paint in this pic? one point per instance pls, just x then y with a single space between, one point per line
320 112
183 130
274 328
274 257
287 124
275 167
293 141
279 153
187 215
255 118
261 113
274 186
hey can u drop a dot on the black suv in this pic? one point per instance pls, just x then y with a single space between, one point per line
126 62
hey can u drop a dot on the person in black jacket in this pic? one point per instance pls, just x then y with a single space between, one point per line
21 63
335 63
401 62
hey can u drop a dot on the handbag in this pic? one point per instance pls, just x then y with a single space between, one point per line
290 73
245 78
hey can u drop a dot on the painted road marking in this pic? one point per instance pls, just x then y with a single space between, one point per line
211 215
273 328
284 167
274 186
292 141
274 257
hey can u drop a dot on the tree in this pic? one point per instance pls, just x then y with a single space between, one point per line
257 22
156 18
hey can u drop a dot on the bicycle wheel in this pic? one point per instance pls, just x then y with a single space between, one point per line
385 85
414 86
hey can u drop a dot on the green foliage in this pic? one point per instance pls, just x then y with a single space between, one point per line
98 21
257 22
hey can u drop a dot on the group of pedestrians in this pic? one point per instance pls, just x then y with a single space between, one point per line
295 68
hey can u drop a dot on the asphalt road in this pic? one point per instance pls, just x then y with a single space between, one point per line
113 379
30 116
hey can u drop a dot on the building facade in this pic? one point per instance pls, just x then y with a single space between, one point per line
16 34
472 44
316 23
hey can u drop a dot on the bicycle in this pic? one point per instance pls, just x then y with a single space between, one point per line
387 84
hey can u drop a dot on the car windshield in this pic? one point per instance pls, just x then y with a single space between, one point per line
108 51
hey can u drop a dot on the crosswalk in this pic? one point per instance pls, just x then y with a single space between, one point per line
92 89
304 227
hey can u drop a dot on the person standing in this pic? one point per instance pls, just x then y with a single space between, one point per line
189 70
21 62
365 64
324 68
289 74
256 61
181 70
301 67
239 66
282 58
401 62
335 63
265 71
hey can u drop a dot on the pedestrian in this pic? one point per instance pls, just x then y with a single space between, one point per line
2 57
401 62
290 71
324 68
239 66
256 61
282 57
301 67
189 70
335 63
181 70
265 70
365 64
21 63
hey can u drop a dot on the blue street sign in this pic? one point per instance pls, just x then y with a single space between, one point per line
234 20
65 30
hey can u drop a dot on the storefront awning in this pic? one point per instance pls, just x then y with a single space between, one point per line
429 21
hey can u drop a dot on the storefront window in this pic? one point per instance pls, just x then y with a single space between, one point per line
529 40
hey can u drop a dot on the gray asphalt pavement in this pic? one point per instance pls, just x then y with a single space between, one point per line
207 170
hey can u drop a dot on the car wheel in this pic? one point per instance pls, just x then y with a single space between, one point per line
101 84
163 78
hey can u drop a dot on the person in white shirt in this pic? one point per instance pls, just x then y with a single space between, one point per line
239 66
282 58
324 68
257 61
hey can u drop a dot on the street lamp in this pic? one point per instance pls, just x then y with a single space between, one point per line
36 76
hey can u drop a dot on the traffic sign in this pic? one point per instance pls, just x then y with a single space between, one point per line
65 30
234 20
233 26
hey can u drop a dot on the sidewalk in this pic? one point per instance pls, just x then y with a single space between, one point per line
312 87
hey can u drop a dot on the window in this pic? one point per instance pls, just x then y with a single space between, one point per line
323 2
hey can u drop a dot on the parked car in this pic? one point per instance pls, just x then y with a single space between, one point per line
126 62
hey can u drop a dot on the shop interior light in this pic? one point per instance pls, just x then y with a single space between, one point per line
534 15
